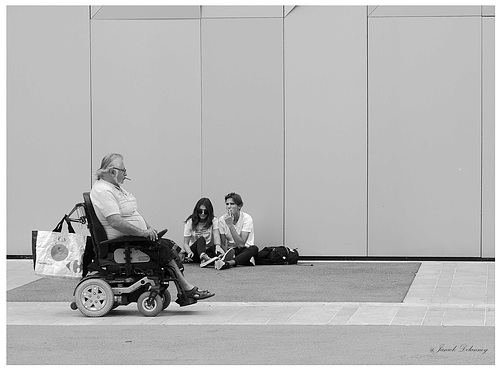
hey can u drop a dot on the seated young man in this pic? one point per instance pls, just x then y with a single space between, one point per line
237 235
117 211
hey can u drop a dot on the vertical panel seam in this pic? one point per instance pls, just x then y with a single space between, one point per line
367 120
201 109
91 97
284 129
481 246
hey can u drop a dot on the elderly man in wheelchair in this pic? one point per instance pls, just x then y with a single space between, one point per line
131 262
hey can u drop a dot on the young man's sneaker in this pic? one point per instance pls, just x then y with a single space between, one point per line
206 261
221 265
228 256
252 261
223 262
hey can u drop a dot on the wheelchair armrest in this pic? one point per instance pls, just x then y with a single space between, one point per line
131 239
161 233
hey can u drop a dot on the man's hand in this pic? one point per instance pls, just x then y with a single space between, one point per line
228 218
151 234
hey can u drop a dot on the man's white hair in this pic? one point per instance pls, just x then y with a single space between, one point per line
108 162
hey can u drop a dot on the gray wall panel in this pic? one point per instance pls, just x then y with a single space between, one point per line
424 11
243 119
145 12
241 11
94 9
488 181
424 137
325 64
48 118
273 108
488 10
146 106
288 9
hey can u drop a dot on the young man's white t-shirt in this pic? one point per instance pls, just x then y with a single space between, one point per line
245 223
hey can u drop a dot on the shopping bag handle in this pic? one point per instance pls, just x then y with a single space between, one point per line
59 226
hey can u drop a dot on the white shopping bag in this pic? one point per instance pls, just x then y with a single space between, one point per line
57 253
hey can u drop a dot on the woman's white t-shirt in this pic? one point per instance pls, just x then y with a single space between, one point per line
200 231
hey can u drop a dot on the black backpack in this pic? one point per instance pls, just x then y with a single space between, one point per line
278 255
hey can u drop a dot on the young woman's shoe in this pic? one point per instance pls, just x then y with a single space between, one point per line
206 260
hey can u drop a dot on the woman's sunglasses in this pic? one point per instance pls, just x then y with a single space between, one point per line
202 211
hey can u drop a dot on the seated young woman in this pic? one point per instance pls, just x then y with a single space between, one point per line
201 234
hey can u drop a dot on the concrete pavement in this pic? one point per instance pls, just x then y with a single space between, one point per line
442 294
447 318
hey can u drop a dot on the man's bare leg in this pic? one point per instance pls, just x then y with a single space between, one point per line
182 280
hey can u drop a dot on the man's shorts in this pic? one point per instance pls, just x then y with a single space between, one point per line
169 251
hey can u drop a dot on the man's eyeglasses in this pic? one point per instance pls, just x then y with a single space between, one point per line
202 211
121 169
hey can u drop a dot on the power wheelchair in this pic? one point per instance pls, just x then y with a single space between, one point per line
121 271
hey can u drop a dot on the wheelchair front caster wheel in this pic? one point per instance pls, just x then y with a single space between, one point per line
73 306
149 309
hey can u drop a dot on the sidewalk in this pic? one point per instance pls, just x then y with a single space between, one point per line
442 294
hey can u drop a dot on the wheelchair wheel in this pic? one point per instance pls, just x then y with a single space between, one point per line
147 309
166 298
94 297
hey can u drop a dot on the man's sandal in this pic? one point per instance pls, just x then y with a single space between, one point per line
183 300
197 294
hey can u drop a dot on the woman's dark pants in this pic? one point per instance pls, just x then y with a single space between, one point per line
199 247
